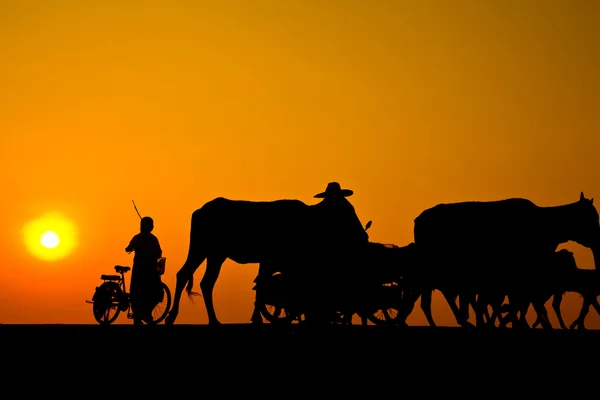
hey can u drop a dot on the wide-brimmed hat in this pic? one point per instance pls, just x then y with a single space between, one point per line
334 189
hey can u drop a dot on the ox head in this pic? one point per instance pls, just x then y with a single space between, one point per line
564 261
586 227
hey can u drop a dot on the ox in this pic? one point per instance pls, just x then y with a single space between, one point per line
280 235
470 247
552 281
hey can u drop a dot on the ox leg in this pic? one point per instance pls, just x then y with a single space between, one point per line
458 314
256 317
496 316
482 313
595 305
538 321
426 306
468 299
479 308
407 305
465 300
556 302
490 299
519 304
522 321
183 276
585 308
207 284
509 312
542 315
363 319
483 301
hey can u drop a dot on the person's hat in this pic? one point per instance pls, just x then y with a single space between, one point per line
334 189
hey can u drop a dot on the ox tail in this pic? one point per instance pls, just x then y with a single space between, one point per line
196 255
188 289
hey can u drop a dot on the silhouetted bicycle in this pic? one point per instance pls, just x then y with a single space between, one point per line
111 297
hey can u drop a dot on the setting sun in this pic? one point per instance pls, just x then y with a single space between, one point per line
50 237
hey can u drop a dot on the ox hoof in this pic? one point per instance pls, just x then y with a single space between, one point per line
170 319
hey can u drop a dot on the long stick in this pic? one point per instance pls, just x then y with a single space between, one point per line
136 210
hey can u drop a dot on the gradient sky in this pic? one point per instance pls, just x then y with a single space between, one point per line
173 103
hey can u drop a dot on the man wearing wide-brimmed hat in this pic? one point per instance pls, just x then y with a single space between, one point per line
337 217
340 241
334 189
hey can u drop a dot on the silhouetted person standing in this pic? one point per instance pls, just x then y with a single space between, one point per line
145 280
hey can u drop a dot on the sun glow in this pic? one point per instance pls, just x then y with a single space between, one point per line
50 237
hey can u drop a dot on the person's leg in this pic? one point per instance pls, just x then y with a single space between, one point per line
147 298
134 295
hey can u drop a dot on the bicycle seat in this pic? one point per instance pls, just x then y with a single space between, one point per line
121 269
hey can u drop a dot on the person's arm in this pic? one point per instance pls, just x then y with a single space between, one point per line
158 249
131 246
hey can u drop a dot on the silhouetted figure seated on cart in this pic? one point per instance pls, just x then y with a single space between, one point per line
339 244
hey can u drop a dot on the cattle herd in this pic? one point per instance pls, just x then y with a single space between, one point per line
493 261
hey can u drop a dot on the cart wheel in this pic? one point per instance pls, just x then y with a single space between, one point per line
276 314
272 298
388 312
385 317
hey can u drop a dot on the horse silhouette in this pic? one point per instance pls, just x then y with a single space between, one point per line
279 235
471 246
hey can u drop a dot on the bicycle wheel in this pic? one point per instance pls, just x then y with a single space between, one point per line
106 303
161 309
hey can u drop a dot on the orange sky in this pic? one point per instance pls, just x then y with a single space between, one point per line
173 103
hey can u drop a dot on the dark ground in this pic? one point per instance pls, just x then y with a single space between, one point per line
50 332
444 339
349 361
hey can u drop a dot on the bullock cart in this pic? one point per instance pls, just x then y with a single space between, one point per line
373 292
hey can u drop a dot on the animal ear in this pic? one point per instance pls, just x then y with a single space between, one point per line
581 197
592 200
